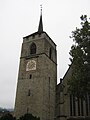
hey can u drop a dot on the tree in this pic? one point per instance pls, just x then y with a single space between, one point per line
79 83
28 117
7 116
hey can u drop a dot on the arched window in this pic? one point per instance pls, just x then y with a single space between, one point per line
33 48
50 53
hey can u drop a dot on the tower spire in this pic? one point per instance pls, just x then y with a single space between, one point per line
40 27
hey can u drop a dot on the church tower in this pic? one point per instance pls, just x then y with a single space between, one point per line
37 77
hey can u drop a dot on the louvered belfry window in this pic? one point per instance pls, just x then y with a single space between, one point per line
33 48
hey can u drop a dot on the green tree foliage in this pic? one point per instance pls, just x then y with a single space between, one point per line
28 117
79 84
7 116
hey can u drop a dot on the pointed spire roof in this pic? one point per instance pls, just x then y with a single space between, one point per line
40 27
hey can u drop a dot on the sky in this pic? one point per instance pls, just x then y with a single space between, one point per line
19 18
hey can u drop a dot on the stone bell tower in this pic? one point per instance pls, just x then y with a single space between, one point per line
37 77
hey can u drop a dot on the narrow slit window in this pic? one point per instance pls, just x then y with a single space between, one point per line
29 92
30 77
82 106
78 106
70 105
50 53
74 106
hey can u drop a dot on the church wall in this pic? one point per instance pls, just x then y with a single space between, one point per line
69 107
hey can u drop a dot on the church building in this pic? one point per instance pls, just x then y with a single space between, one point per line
37 78
37 89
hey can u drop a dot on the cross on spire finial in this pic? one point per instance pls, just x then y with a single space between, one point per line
41 8
40 27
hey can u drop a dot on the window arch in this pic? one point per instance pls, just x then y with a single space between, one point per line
33 48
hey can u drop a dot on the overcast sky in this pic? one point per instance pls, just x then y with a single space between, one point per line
19 18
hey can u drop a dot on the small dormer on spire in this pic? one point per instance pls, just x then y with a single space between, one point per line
40 27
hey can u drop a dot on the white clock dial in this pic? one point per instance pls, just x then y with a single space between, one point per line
31 65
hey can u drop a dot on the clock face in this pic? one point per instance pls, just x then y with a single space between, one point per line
31 65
